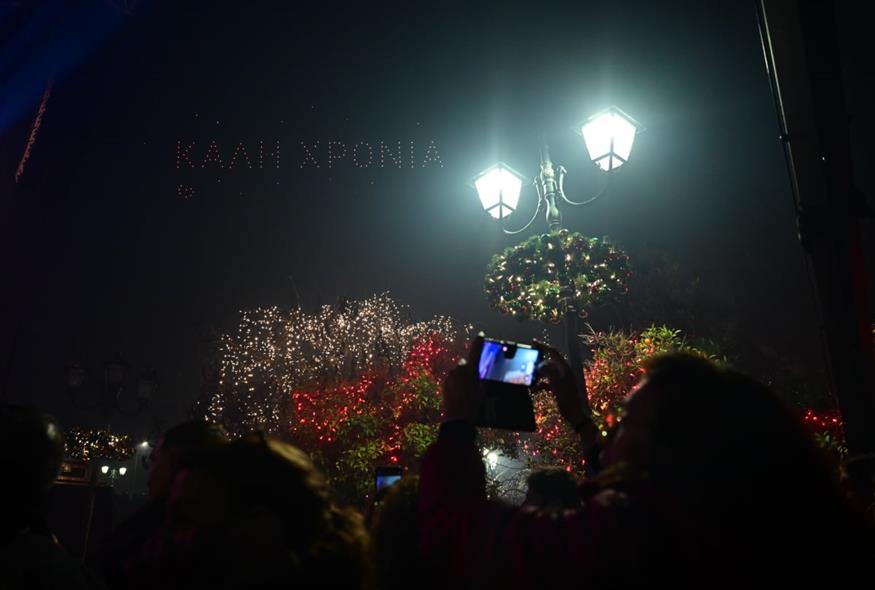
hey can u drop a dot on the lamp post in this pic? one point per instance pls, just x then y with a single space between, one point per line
108 399
608 137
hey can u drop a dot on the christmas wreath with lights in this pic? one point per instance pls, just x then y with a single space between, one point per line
529 280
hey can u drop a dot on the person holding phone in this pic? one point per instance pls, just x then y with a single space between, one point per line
707 481
453 510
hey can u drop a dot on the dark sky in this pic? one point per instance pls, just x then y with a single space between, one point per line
103 256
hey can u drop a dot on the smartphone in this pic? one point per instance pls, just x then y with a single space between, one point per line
507 372
385 477
508 362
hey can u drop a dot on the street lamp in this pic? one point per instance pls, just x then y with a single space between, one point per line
608 137
108 396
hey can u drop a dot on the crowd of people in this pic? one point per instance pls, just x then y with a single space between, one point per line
707 480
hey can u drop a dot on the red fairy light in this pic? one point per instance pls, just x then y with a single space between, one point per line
829 421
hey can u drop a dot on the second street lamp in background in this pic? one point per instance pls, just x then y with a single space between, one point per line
608 137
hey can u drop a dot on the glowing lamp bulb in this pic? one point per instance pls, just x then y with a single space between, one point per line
608 137
499 188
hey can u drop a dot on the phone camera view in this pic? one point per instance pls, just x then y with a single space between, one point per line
384 481
512 364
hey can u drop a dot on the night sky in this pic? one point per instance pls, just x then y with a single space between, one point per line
110 248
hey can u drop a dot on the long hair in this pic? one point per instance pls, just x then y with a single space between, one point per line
326 544
745 468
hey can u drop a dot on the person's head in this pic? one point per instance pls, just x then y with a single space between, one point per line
176 446
748 491
552 489
260 508
673 390
31 453
711 431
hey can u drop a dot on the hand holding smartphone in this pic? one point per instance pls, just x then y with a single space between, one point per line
507 371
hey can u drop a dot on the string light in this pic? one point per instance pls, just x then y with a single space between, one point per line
86 444
828 431
830 420
356 384
530 280
274 352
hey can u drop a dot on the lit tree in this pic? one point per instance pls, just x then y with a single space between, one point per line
377 419
275 351
83 444
355 384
